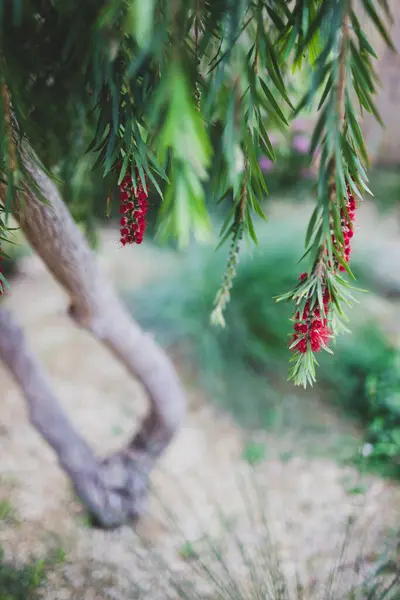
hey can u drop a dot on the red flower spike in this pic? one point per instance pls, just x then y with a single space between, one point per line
301 346
315 345
134 204
313 330
306 311
127 180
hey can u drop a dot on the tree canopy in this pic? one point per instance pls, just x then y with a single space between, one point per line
179 96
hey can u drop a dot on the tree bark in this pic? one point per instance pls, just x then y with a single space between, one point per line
114 489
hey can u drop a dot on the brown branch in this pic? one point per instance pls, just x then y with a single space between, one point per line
51 231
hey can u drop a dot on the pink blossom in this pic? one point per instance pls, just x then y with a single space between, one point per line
301 144
266 164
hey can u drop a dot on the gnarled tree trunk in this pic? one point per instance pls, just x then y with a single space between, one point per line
114 489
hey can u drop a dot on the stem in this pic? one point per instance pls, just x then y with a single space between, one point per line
341 84
340 110
243 197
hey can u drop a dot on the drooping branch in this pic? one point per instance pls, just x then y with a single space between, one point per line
51 231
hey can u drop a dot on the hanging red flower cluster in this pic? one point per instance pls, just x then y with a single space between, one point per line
311 328
133 209
347 228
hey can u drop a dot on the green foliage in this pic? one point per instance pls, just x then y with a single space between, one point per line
182 95
243 366
233 363
254 453
7 512
13 251
383 430
20 582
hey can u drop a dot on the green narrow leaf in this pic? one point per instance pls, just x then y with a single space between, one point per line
327 89
123 168
370 9
311 225
272 102
356 132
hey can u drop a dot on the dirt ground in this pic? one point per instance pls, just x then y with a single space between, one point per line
305 499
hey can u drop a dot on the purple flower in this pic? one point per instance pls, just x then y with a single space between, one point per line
266 164
301 144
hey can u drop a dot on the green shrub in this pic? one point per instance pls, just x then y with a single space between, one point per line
20 582
383 425
233 364
244 366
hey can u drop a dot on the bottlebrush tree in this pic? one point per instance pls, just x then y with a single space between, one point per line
159 78
180 96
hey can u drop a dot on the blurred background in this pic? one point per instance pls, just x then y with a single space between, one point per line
345 430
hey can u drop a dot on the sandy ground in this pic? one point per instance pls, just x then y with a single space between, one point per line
305 500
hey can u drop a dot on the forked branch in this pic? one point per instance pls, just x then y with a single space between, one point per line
114 489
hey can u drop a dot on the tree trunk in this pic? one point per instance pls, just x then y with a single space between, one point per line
114 489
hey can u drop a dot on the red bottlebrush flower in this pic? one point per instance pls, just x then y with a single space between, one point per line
301 345
134 204
306 310
314 330
126 182
312 327
319 337
315 344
